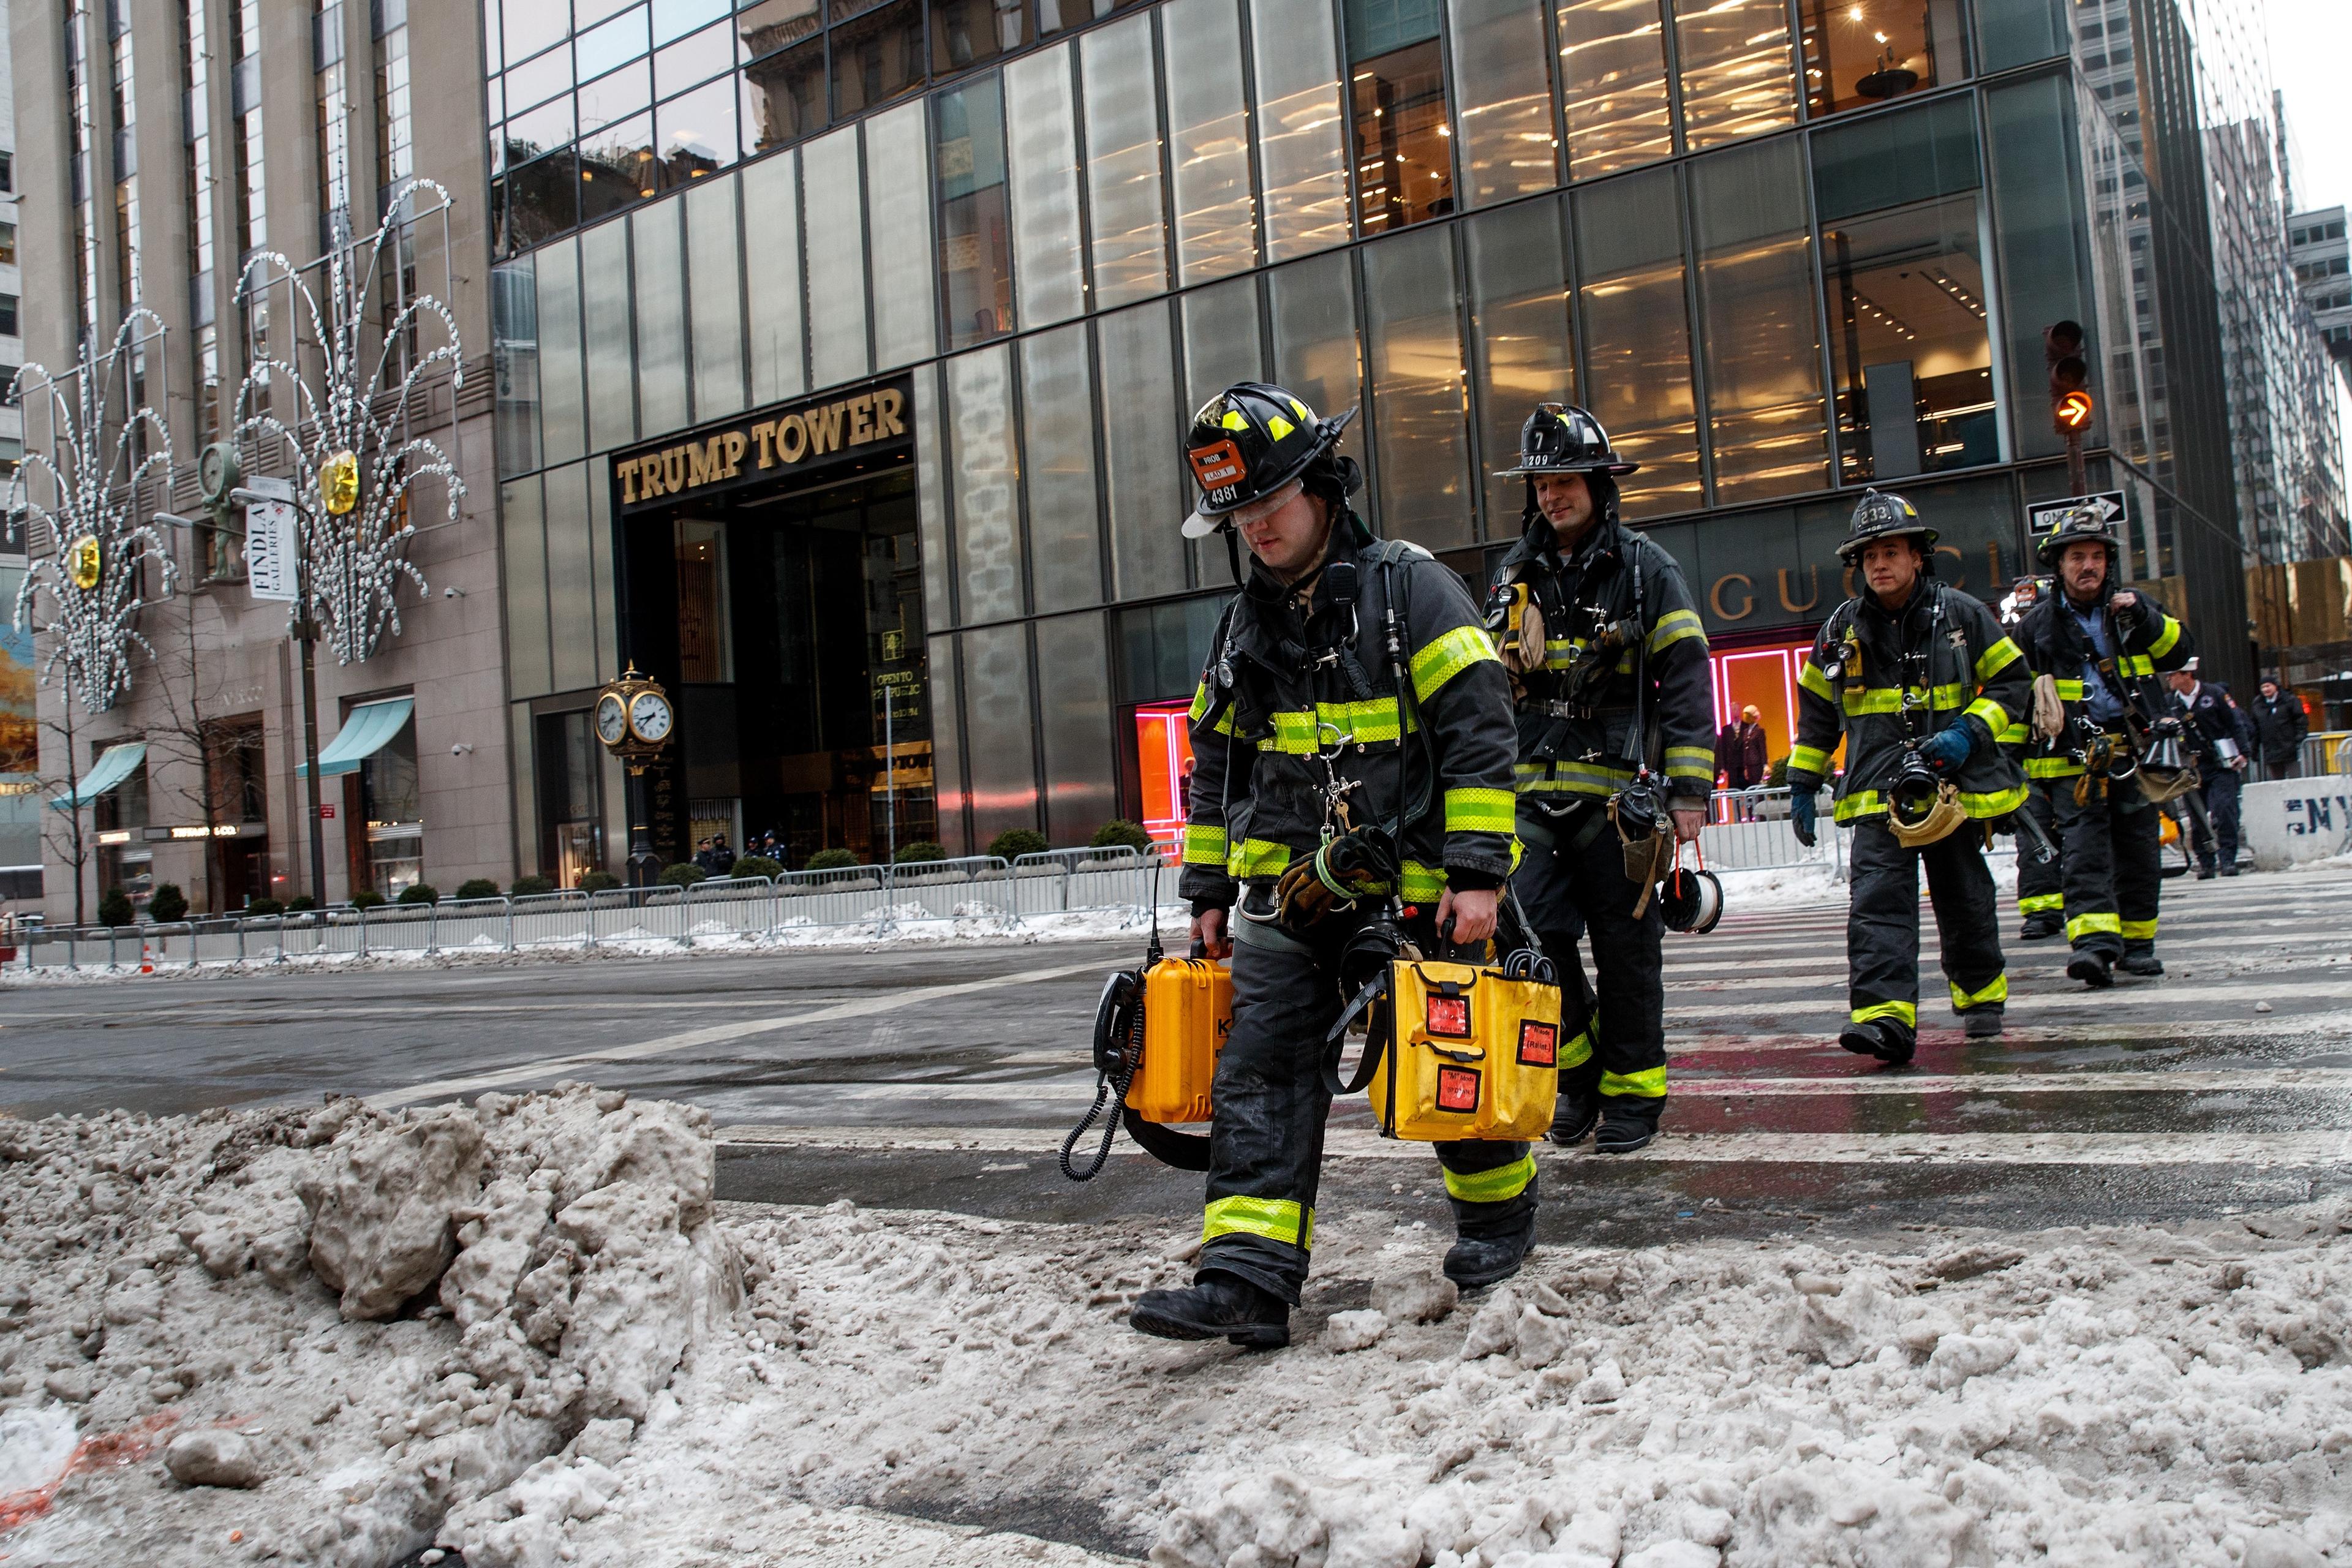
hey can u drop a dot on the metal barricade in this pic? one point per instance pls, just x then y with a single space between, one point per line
1062 880
471 925
548 920
1749 830
945 889
730 906
841 895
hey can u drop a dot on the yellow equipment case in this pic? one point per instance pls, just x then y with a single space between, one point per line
1474 1054
1188 1011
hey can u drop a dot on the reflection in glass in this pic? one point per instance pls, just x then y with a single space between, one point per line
672 18
1629 269
618 168
1041 124
1861 52
536 201
947 745
975 249
996 698
1208 128
984 476
877 56
1759 323
1057 421
966 32
1507 148
514 360
714 260
1299 152
1908 337
1404 156
615 96
772 245
1073 728
1119 97
836 258
562 413
930 513
697 134
532 28
524 533
1313 305
536 131
1220 340
1735 70
1419 400
599 49
661 318
539 80
1148 496
1612 79
1520 337
898 201
604 305
693 59
784 96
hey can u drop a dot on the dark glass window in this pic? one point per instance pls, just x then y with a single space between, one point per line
7 315
697 134
1909 340
966 32
1404 155
1860 52
784 96
975 238
877 56
616 168
609 100
535 202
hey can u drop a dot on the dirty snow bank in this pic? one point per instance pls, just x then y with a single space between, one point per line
369 1320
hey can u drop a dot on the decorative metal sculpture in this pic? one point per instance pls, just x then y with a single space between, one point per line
99 542
354 466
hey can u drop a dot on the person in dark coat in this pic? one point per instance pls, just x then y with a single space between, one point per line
2280 725
2228 738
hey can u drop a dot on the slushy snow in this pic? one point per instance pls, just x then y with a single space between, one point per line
525 1333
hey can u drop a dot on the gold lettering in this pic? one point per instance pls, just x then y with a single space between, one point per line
735 444
1789 604
1846 583
1747 603
792 438
1959 577
628 470
824 428
861 420
764 433
649 476
702 462
673 470
887 404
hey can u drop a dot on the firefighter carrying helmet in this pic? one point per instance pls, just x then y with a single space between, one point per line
2079 526
1884 516
1560 439
1249 441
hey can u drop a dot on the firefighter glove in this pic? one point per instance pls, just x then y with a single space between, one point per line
1804 815
1358 864
1947 749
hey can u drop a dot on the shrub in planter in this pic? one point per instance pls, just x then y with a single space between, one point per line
368 899
300 903
419 893
756 866
684 873
836 860
1119 831
593 882
169 903
1014 842
477 888
114 908
1776 776
921 852
532 886
257 909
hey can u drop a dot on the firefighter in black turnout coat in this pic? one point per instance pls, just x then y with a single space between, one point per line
2101 648
1616 724
1322 784
1923 682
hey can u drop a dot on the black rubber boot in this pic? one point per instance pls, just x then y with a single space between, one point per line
2039 926
1884 1039
2204 873
1474 1262
1627 1124
1982 1022
1216 1305
2231 869
2090 969
1573 1118
2142 962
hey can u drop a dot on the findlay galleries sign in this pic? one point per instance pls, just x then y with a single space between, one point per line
773 443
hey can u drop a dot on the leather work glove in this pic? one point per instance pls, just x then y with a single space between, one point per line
1948 748
1804 815
1358 864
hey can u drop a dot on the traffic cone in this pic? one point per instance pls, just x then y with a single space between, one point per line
146 959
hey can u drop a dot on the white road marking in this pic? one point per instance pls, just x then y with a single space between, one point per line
2271 988
2327 1080
713 1035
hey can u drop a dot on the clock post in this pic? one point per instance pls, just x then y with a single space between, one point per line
634 721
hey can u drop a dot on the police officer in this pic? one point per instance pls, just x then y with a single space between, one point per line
2227 736
2101 645
2041 885
1321 785
1923 682
1616 716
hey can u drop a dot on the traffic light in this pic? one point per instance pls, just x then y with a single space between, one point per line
2071 403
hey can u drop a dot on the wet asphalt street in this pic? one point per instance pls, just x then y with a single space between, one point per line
945 1078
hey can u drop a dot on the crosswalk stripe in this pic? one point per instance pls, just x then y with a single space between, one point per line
2320 1080
2295 988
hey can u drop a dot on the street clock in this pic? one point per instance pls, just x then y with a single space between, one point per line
634 720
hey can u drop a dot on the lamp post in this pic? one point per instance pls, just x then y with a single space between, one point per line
635 721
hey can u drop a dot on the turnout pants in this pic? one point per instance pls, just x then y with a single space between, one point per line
2041 885
1882 933
1616 1042
2219 788
1265 1135
2114 875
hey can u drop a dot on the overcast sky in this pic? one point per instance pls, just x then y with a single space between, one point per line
2310 42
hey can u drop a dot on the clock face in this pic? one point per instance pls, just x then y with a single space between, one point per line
612 721
649 716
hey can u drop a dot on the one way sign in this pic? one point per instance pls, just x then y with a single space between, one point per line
2044 516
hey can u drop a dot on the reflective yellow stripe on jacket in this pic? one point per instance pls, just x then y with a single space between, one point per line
1443 658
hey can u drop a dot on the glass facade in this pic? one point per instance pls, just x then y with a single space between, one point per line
1781 250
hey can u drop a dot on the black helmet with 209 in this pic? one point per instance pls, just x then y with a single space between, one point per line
1882 515
2082 525
1561 439
1248 442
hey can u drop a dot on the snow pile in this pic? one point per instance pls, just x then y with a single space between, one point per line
371 1322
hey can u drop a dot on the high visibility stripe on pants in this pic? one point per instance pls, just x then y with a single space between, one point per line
2082 926
1904 1012
1990 995
1577 1052
1494 1186
1650 1083
2139 931
2037 903
1276 1220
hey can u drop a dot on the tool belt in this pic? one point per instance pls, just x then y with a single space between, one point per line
2105 759
1454 1050
1649 851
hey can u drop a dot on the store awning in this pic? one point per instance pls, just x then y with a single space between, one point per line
113 765
364 735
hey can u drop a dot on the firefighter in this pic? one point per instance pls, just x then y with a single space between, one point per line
2101 647
2041 883
1321 783
1616 724
1923 682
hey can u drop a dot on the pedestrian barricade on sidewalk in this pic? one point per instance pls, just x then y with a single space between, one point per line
1749 830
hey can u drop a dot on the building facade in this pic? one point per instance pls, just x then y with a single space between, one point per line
2323 271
